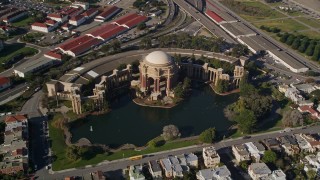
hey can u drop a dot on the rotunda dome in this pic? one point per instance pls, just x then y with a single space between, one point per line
158 58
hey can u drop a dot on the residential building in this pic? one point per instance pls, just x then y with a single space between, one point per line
192 160
289 144
304 145
210 157
155 169
5 83
272 144
278 175
171 167
306 88
98 175
309 109
258 170
135 173
52 23
255 149
241 153
293 94
14 150
77 20
218 173
313 140
283 88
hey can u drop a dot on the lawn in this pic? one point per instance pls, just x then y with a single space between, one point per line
310 21
11 51
26 21
311 34
287 25
253 10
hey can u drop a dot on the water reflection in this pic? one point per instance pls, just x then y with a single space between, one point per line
130 123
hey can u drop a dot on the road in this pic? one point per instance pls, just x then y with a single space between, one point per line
124 163
305 61
206 22
12 92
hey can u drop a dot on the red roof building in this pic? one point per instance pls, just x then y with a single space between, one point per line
90 12
130 20
53 55
83 47
102 29
68 45
51 22
15 118
5 82
107 13
112 33
214 16
77 20
310 110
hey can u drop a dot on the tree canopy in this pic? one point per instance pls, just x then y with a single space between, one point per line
208 135
269 157
170 132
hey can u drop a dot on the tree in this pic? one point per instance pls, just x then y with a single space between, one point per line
244 165
290 39
284 37
186 83
146 43
304 44
292 118
72 153
310 80
269 157
296 43
222 86
311 174
179 91
316 54
142 26
152 143
170 132
239 50
246 121
208 135
116 46
310 49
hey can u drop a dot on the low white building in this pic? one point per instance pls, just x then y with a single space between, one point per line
241 153
58 17
293 94
77 4
219 173
42 27
210 157
155 169
258 170
135 173
256 150
77 20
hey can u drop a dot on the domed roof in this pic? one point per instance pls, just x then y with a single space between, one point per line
158 58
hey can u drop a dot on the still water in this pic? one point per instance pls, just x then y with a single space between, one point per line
130 123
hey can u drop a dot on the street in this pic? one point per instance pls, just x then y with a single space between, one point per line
124 163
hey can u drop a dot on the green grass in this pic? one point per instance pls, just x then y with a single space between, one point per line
73 116
287 25
265 12
11 51
310 21
311 34
26 21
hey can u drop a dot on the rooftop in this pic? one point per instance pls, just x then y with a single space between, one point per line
259 168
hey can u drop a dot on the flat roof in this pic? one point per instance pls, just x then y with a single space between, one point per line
33 64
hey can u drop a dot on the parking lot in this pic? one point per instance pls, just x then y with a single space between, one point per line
33 5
